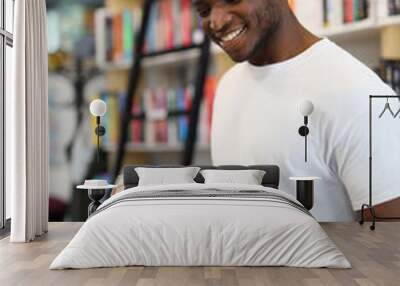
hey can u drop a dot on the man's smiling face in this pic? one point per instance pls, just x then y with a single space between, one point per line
240 27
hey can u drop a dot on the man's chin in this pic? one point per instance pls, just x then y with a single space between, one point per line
237 57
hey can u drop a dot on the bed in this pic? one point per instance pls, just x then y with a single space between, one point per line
201 224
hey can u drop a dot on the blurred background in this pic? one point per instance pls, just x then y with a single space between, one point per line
91 55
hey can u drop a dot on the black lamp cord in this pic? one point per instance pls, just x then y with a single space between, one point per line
305 138
98 138
305 146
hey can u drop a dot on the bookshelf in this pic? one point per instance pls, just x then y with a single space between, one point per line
359 33
331 21
389 20
370 27
364 37
160 69
155 148
165 60
355 31
352 30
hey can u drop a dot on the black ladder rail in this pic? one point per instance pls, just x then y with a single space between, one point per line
198 97
133 83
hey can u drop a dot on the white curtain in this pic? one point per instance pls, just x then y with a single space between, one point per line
27 124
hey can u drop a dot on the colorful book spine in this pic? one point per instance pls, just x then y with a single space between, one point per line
136 123
356 14
109 38
100 33
128 35
186 23
177 23
172 122
348 11
118 51
325 13
169 33
182 120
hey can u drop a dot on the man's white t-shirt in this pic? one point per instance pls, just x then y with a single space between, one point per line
256 120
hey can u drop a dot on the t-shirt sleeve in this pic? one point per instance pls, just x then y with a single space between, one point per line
352 155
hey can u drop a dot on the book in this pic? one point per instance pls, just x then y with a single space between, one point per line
169 25
348 11
109 38
182 119
128 35
172 122
100 32
117 38
136 131
186 23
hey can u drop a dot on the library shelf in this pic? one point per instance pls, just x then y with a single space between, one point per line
389 20
155 148
162 59
115 66
354 31
349 30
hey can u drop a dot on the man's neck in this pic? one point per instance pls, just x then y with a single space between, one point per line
289 40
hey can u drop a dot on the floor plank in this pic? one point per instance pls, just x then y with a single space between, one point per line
375 257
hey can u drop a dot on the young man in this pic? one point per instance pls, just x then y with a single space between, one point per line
256 117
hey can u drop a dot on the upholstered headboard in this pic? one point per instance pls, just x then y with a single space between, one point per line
271 177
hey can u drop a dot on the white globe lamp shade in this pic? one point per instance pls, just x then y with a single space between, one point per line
306 107
98 107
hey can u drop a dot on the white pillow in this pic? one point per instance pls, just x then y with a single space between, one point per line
248 177
166 176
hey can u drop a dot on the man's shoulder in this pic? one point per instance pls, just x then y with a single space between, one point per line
346 67
349 76
231 82
233 74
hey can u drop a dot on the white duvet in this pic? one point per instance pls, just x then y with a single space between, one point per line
200 232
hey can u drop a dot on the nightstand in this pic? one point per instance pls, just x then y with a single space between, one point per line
305 190
97 191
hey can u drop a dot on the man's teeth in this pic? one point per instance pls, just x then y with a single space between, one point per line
232 35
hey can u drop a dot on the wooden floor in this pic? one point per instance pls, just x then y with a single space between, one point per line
375 257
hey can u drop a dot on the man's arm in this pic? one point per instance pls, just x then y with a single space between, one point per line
389 209
352 153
